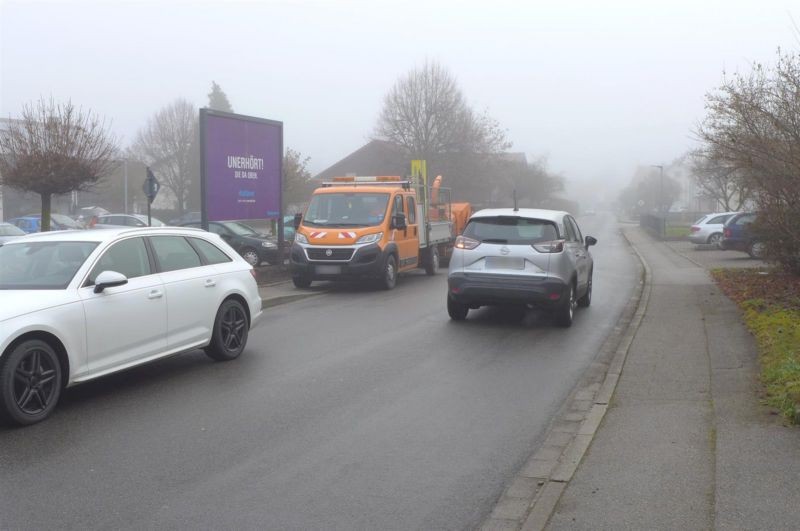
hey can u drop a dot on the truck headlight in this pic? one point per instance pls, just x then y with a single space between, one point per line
300 238
370 238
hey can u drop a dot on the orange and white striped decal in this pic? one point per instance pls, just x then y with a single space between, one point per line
346 235
318 234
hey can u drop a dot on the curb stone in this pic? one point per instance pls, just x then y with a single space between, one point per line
553 465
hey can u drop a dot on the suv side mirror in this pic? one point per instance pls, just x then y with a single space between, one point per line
109 279
590 241
399 221
298 219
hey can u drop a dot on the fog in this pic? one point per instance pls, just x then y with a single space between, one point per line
595 87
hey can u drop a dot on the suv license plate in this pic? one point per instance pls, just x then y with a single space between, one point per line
328 269
505 262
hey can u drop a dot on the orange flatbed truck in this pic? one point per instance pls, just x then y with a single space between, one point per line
373 228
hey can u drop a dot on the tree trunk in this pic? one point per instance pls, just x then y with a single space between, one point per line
46 208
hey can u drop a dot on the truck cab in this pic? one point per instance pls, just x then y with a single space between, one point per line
369 228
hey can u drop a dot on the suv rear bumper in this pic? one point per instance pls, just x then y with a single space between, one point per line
481 290
367 261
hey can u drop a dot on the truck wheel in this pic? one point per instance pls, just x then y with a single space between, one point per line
301 282
456 310
432 260
389 278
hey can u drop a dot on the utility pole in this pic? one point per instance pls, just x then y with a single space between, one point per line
660 188
125 174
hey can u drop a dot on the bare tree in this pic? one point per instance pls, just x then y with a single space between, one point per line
167 144
425 112
296 177
753 126
724 184
53 149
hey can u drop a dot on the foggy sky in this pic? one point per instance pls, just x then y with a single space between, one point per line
596 86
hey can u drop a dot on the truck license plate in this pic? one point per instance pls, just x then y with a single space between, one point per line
328 269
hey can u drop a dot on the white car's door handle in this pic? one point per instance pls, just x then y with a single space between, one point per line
155 294
211 283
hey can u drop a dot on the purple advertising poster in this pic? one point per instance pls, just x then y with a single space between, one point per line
242 159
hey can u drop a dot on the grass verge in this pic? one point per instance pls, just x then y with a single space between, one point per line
770 301
676 231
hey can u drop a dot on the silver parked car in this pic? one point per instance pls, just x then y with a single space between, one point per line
521 256
708 229
10 232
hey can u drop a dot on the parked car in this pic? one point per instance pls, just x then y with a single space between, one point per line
254 247
77 306
521 256
10 232
708 229
737 236
33 223
125 220
187 217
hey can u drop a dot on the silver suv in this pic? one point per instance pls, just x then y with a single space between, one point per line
521 256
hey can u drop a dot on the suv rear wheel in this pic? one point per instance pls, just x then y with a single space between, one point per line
566 310
456 310
586 300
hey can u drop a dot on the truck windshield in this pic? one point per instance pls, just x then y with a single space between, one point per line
346 210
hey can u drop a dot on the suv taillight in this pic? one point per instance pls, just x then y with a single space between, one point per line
462 242
554 246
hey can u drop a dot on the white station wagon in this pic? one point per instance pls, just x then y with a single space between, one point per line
77 305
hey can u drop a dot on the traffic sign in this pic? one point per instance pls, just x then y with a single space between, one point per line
151 186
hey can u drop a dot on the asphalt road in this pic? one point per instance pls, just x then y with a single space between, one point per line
358 409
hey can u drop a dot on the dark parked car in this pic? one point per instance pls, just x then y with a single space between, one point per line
251 244
737 236
187 217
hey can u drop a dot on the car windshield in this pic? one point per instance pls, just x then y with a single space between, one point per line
346 210
7 229
511 230
240 229
41 265
65 221
153 221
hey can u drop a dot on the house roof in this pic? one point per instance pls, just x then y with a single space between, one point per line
380 157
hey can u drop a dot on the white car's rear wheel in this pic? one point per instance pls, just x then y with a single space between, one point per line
231 329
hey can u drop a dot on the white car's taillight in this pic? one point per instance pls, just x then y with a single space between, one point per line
554 246
462 242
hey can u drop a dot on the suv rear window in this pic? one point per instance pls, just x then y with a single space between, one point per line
511 229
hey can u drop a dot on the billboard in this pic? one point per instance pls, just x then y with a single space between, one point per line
241 165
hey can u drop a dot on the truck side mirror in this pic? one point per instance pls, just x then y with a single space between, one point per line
298 218
399 221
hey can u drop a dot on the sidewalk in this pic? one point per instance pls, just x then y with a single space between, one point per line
684 443
284 292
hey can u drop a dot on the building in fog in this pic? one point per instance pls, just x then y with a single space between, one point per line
470 177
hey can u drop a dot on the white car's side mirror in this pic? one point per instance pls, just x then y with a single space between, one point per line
109 279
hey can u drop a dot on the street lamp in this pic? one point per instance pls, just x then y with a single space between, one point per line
660 188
